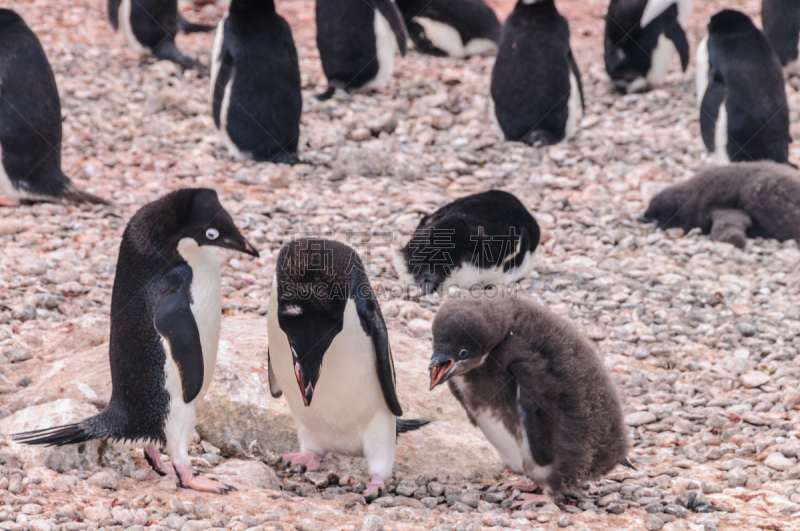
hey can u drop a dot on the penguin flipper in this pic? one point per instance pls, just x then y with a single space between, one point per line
274 388
184 26
713 99
392 15
674 32
537 421
370 315
577 73
175 322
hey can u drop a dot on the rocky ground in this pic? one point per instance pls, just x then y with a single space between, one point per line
701 337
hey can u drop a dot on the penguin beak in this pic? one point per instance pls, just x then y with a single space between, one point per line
440 369
241 246
307 390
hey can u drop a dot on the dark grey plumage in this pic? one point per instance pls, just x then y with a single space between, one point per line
514 364
734 202
781 22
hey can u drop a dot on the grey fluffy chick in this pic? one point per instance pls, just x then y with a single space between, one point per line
534 386
733 203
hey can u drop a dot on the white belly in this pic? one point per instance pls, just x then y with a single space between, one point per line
574 108
721 137
348 414
701 74
124 18
179 425
386 44
447 39
660 60
467 275
6 186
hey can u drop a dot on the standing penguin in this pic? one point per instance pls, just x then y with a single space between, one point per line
457 28
533 385
255 77
741 92
479 239
641 38
165 323
150 27
357 40
327 335
30 120
536 86
781 22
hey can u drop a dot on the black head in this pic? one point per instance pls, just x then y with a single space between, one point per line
730 20
253 5
663 210
315 279
185 219
7 16
465 331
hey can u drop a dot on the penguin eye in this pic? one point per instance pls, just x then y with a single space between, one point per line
463 353
212 234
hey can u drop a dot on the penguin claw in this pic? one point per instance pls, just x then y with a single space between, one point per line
204 484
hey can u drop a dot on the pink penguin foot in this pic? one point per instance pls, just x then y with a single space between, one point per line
153 457
526 500
308 460
523 485
8 202
188 480
375 489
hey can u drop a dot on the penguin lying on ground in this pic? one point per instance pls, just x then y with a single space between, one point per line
328 342
480 239
781 22
30 120
638 50
536 87
165 323
733 203
533 385
150 27
255 79
457 28
741 92
357 40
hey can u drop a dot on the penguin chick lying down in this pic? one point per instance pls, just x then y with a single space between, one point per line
533 385
733 203
166 307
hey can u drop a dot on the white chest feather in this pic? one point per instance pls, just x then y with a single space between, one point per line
574 108
468 275
447 39
660 60
721 137
386 44
6 186
216 54
124 19
701 74
223 121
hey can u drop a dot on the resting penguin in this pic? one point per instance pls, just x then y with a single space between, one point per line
165 322
457 28
533 385
30 120
328 342
150 27
536 87
733 203
357 40
256 83
480 239
781 22
641 37
741 92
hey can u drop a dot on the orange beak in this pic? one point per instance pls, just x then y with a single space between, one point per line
439 371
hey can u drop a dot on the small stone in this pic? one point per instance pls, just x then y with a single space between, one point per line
31 508
470 498
196 525
371 523
307 526
25 381
435 488
608 499
360 134
777 461
19 354
319 480
746 329
654 523
430 503
710 488
752 379
97 514
103 479
640 418
565 521
420 327
173 522
406 487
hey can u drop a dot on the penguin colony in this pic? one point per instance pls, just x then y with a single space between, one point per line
524 376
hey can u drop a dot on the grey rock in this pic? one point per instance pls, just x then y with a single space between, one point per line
253 473
371 523
640 418
653 522
103 479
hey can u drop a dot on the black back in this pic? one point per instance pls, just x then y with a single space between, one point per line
266 101
744 68
30 111
541 375
781 21
473 19
530 79
479 229
152 21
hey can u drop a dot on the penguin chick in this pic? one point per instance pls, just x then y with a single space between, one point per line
165 323
533 385
255 79
733 203
455 28
30 119
150 26
740 88
536 86
476 240
329 354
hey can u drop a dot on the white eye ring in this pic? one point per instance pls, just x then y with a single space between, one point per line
212 234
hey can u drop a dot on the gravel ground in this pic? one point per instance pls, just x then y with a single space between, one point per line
701 337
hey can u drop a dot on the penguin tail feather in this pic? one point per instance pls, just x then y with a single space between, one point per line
328 94
75 194
58 436
406 425
628 464
539 138
184 26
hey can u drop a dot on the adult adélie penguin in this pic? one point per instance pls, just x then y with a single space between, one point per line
329 355
165 325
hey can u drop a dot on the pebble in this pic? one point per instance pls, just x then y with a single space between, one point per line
653 522
777 461
103 479
640 418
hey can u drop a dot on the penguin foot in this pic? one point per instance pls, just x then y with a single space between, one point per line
375 489
524 485
526 500
8 202
153 457
188 480
309 460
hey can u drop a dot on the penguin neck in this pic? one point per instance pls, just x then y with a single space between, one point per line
202 259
